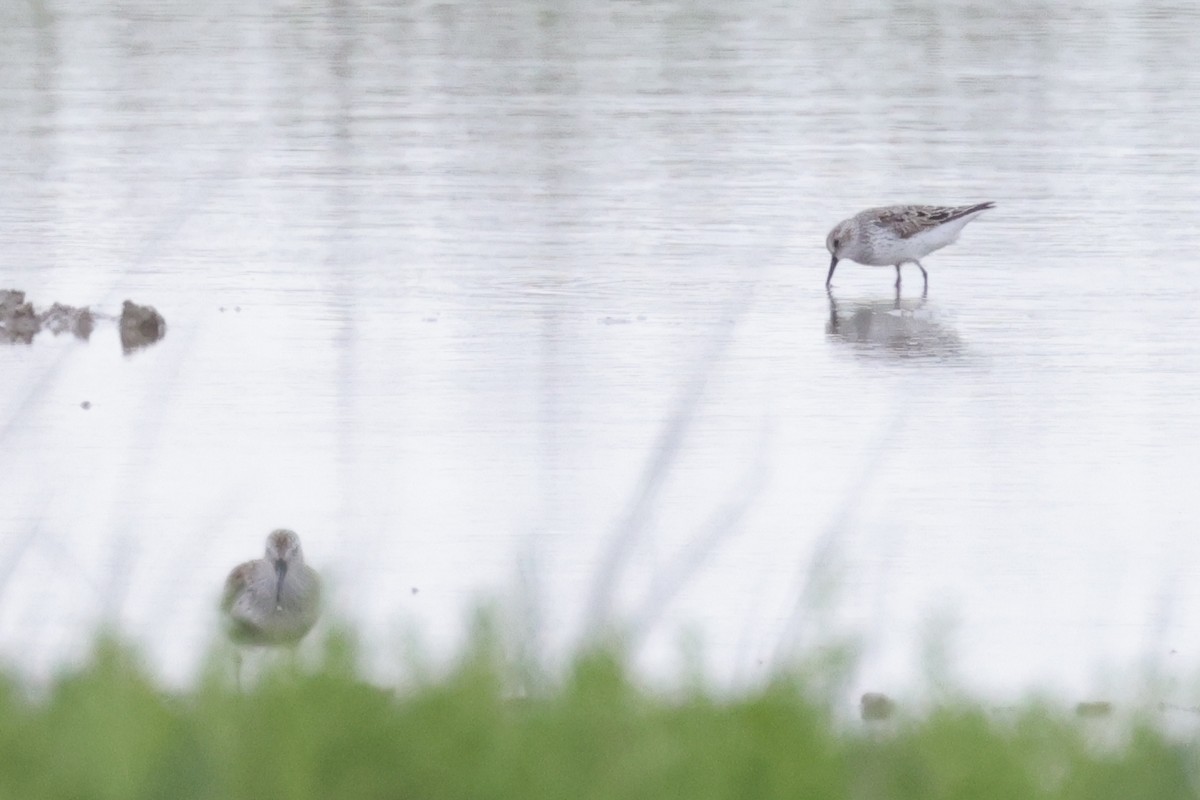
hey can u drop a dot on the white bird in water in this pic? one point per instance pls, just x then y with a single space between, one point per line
895 235
273 600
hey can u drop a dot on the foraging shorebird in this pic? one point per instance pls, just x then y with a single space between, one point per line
273 600
895 235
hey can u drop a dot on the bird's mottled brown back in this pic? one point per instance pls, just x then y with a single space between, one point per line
908 221
239 576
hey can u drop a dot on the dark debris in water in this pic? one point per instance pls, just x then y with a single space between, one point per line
141 326
20 322
68 319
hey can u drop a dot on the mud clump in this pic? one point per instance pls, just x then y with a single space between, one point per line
139 326
18 321
68 319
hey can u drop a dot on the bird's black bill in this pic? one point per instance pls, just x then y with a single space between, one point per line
280 571
832 267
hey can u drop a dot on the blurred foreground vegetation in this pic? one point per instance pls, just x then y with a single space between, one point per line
107 731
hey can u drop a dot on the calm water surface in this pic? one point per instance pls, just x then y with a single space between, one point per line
525 302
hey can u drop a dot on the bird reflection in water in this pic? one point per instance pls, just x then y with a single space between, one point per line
903 328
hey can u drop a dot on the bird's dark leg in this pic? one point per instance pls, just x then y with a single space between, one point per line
924 274
897 276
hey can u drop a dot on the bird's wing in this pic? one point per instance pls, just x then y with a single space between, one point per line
235 584
908 221
900 221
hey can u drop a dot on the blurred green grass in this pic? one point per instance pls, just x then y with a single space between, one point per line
106 730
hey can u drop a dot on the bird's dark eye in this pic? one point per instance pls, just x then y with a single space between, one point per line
836 243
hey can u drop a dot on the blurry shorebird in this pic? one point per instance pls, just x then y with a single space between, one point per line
895 235
273 600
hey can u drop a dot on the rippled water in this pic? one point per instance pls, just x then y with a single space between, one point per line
526 301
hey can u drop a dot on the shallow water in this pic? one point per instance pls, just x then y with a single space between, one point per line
527 302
